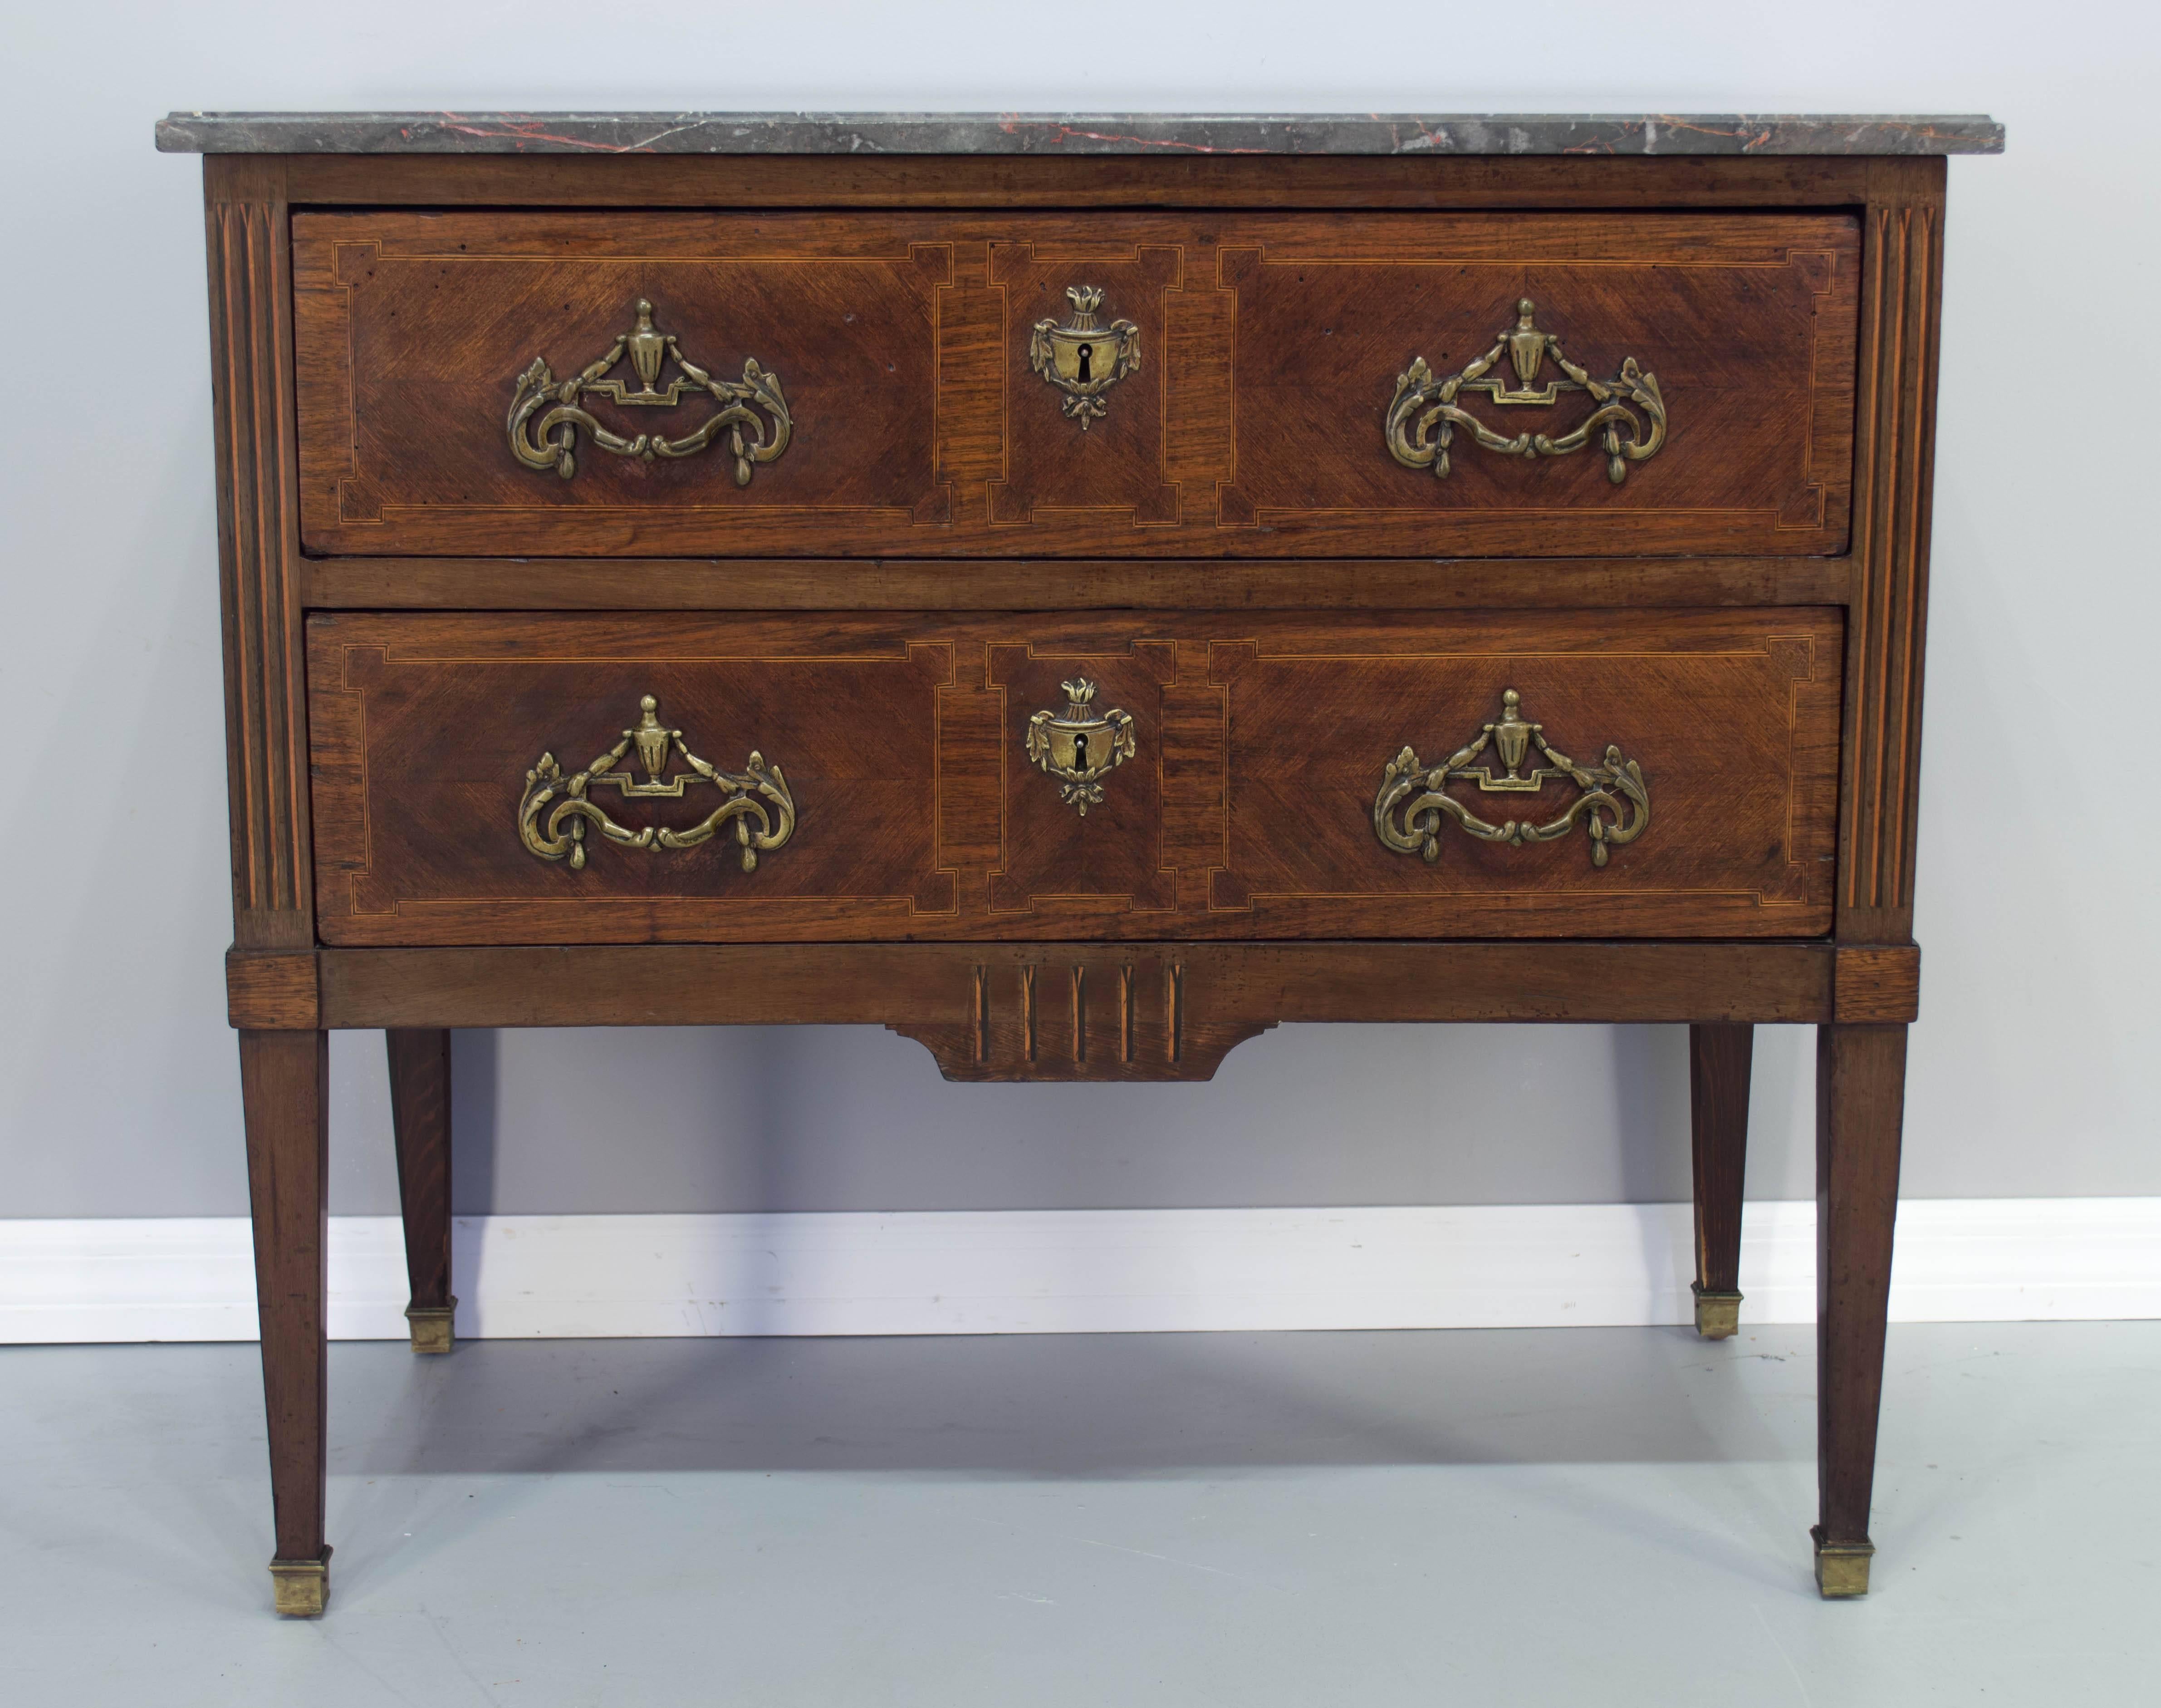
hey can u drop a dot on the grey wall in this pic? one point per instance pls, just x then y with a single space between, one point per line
2038 832
855 1119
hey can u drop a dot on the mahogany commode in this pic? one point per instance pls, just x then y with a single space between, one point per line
1079 592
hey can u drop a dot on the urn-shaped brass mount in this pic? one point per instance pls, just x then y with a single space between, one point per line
546 415
1628 422
1081 747
555 810
1084 358
1612 802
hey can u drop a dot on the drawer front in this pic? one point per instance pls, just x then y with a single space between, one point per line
1130 383
580 778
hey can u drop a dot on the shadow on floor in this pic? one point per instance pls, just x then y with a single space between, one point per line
1073 1405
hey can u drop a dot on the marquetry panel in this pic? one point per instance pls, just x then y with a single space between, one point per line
1731 720
1270 346
1747 325
425 729
1114 472
1110 860
1246 809
413 329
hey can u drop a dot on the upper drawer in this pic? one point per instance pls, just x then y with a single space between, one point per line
1173 385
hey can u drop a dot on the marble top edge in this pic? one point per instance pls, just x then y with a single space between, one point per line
1074 133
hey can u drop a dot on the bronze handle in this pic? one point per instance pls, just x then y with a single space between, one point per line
1613 802
1424 415
757 798
551 442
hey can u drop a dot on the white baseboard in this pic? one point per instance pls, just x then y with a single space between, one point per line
1070 1271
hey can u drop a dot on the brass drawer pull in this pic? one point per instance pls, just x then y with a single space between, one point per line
1079 745
552 442
748 796
1614 804
1424 415
1082 359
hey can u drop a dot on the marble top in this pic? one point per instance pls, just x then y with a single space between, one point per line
1073 133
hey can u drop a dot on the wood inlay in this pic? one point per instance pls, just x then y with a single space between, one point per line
1052 1033
1229 552
1246 812
252 388
1270 344
966 999
1903 263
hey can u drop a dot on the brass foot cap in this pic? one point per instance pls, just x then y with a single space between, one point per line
1717 1315
300 1589
1841 1567
435 1326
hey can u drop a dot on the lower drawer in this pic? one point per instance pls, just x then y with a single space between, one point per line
578 778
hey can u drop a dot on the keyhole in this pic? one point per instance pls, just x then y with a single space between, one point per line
1087 354
1081 743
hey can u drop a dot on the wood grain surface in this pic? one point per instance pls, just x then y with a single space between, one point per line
1887 637
1422 181
250 346
1271 347
270 989
283 1086
1861 1106
1246 812
419 1061
1230 552
947 993
1720 1057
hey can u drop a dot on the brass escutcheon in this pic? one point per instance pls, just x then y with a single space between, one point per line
1081 747
1082 358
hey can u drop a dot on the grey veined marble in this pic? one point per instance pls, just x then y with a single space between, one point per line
1072 133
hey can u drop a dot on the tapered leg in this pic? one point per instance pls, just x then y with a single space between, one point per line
1719 1058
283 1077
1860 1097
420 1117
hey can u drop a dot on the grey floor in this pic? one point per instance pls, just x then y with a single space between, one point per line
1593 1517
